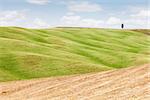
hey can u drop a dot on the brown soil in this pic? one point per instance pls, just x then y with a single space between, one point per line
145 31
124 84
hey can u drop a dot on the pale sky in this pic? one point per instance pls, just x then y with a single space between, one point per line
75 13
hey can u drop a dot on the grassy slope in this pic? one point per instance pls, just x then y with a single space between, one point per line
28 53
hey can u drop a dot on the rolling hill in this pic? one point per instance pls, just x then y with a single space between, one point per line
33 53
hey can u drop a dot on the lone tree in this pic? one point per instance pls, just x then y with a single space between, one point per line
122 26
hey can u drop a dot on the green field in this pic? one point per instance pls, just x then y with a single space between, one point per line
33 53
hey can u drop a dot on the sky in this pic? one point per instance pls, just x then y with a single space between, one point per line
75 13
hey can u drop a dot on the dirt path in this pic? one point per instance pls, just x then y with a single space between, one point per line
123 84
